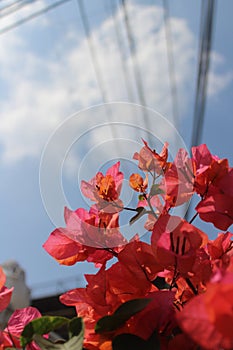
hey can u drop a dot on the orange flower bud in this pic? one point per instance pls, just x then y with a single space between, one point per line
137 183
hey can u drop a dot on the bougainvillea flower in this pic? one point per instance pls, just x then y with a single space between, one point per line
5 293
214 182
208 318
179 180
79 299
18 320
221 246
202 271
188 279
94 228
150 160
137 183
87 236
128 279
217 209
202 158
107 290
225 183
185 287
64 249
208 170
104 189
136 259
92 303
96 294
158 315
174 242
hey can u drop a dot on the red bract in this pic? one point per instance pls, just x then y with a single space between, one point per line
208 318
175 242
92 303
83 304
150 160
158 315
208 169
214 182
201 270
221 251
128 279
221 246
131 276
17 322
179 180
181 270
217 209
87 236
65 250
5 293
94 228
104 189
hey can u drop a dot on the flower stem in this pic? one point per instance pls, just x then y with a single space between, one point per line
191 286
193 218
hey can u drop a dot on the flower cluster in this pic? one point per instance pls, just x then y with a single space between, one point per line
10 335
174 292
187 278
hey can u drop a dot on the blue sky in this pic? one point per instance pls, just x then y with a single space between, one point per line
47 75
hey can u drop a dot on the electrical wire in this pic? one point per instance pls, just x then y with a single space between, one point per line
203 70
10 5
96 66
121 50
171 65
95 62
205 43
136 69
17 5
32 16
132 46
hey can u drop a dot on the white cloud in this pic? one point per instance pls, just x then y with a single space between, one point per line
18 11
217 82
40 91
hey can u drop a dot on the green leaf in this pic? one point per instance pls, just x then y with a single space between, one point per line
140 212
153 342
128 342
121 315
141 197
75 326
42 325
161 283
75 343
155 189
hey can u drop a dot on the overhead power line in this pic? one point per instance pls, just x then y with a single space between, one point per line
96 65
136 69
14 7
32 16
171 64
113 11
205 43
132 48
95 62
206 32
12 4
